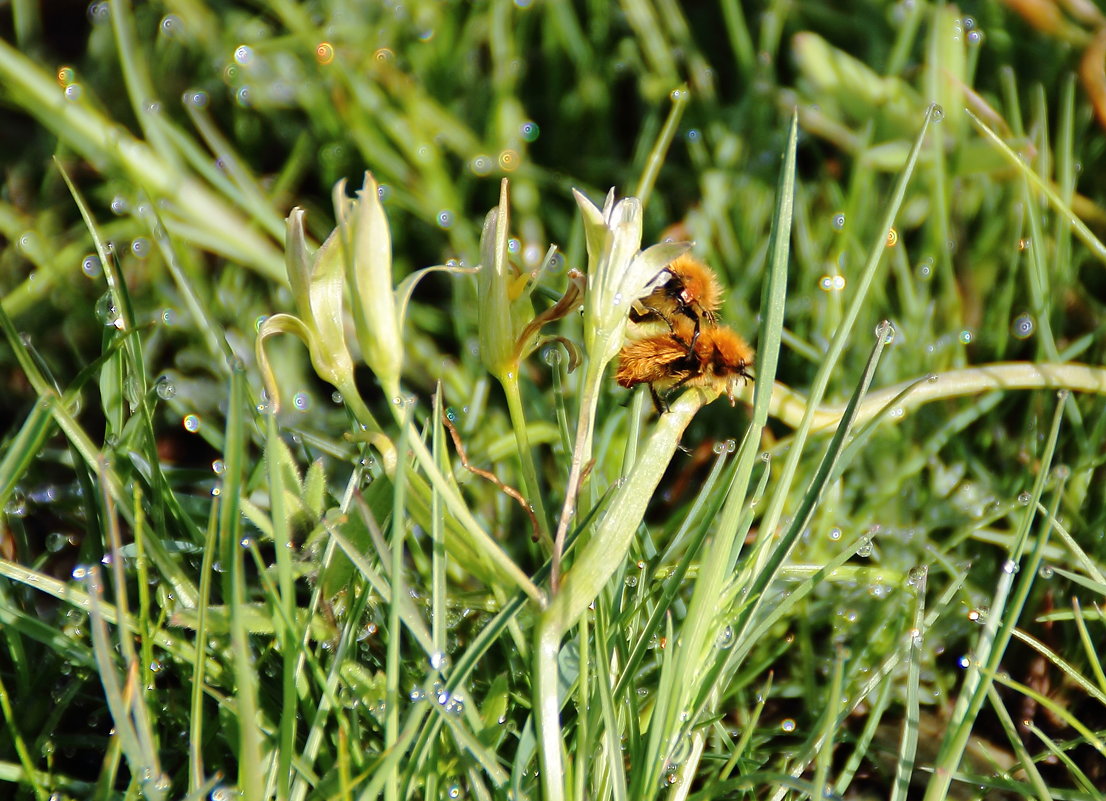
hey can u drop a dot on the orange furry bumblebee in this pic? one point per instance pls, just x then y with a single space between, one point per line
692 292
713 357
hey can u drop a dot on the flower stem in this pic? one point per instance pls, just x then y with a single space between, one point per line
789 406
531 488
585 429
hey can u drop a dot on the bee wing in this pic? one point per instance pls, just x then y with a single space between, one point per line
655 359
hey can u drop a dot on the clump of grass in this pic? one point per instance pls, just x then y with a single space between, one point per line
239 564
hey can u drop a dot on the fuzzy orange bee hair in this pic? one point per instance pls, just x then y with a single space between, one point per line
714 358
692 291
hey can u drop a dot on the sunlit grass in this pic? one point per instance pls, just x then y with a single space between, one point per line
242 564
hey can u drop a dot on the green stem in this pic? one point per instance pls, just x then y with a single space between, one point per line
585 429
593 568
789 406
531 488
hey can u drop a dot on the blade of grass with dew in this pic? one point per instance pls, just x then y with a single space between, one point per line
199 661
1061 755
142 761
396 582
280 773
728 545
467 662
437 542
1025 759
1060 709
763 569
655 160
1093 659
613 770
1082 232
1066 667
775 505
830 727
994 637
673 582
908 742
250 775
874 678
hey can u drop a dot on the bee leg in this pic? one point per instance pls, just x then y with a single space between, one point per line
695 335
658 402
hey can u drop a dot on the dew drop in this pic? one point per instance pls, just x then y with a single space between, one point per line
1024 498
725 638
243 55
835 533
886 331
1010 567
788 725
171 25
301 401
140 247
106 311
936 112
1023 326
481 165
508 160
445 219
838 221
99 13
16 505
165 388
91 266
324 52
529 130
191 423
965 337
197 98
